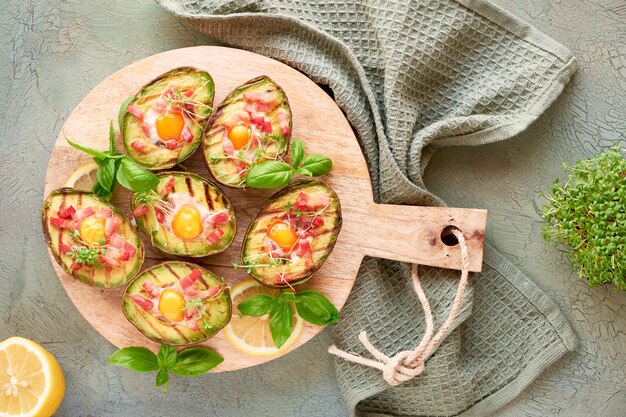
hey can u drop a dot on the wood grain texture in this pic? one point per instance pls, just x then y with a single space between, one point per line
405 233
54 52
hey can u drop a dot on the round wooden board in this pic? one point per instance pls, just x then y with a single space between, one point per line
396 232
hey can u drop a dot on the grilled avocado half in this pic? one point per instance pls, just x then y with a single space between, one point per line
78 226
187 215
177 303
251 125
292 235
164 122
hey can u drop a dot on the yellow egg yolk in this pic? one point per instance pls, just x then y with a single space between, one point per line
239 136
170 125
283 235
187 223
92 230
172 305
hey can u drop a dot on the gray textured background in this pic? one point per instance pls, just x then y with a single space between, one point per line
52 52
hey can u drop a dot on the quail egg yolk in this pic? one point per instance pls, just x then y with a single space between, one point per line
283 235
187 223
239 136
92 230
172 305
170 125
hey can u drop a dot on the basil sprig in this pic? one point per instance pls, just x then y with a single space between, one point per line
117 168
277 174
311 305
189 362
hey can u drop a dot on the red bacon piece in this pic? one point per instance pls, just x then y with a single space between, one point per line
63 224
304 246
109 261
228 146
211 292
214 236
140 145
192 325
127 249
145 127
135 111
190 312
171 144
147 305
302 201
168 187
64 248
83 214
159 215
150 289
261 97
76 266
159 104
317 222
217 218
106 212
111 225
186 135
283 121
67 212
140 210
188 93
188 283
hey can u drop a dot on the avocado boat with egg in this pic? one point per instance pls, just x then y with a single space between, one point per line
177 303
252 125
164 122
292 235
186 215
92 240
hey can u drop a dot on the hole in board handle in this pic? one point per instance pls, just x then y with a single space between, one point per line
447 237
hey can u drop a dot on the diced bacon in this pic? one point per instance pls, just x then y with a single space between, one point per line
195 275
159 215
83 214
190 312
228 146
168 187
188 283
147 305
304 247
126 248
211 292
64 248
67 212
191 324
76 266
217 218
150 288
318 201
135 111
239 117
241 166
257 118
188 93
159 104
117 254
63 224
189 107
140 210
283 121
254 142
281 279
111 225
214 236
168 92
317 222
186 135
145 127
171 144
302 201
106 212
109 261
140 145
261 97
267 125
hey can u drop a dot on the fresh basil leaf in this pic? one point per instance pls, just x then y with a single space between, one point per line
93 152
269 174
166 357
98 190
136 358
161 379
315 308
297 152
256 306
111 138
135 178
304 171
106 174
195 361
317 164
122 113
281 322
287 296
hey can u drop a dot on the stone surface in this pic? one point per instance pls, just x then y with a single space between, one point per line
53 52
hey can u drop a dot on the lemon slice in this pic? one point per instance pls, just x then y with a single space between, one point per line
31 380
252 335
83 178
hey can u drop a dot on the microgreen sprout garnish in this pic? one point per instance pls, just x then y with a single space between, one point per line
311 305
85 254
188 362
588 213
152 199
278 173
178 100
199 305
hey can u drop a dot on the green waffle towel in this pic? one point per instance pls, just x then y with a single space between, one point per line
413 76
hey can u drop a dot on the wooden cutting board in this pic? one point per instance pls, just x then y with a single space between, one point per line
404 233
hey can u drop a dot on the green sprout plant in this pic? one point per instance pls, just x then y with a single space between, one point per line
588 213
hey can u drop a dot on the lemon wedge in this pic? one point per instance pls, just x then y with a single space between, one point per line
252 335
31 380
83 178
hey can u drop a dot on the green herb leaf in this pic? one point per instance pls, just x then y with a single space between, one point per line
287 296
93 152
315 308
136 358
122 113
111 138
196 361
135 178
166 357
297 152
281 322
98 190
106 174
269 174
161 379
304 171
257 306
317 165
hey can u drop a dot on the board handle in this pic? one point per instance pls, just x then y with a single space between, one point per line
418 234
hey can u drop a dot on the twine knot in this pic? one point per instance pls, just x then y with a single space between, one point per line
408 364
